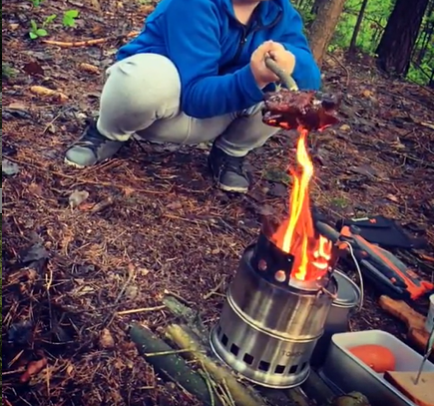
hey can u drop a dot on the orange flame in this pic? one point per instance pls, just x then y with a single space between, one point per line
296 236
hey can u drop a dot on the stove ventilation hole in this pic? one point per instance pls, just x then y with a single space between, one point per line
293 369
280 369
249 359
264 366
234 349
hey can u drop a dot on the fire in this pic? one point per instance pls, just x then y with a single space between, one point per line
296 236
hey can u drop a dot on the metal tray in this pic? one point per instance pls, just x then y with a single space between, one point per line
347 373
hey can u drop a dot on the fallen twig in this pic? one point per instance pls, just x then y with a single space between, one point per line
214 291
140 310
89 42
131 277
177 296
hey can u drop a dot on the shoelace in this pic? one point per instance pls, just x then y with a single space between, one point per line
91 138
234 164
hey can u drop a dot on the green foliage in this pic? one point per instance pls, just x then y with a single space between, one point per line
40 31
376 14
7 71
307 16
69 18
37 31
375 19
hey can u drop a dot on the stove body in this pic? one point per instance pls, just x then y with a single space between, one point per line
270 323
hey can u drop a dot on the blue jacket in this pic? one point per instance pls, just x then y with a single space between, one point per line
211 50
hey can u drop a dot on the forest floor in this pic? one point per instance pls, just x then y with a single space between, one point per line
148 225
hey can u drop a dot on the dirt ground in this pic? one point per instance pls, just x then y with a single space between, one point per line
152 222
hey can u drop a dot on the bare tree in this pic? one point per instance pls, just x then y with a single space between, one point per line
323 28
396 45
353 43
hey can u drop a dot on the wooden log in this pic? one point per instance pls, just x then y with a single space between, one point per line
414 321
189 317
166 361
183 338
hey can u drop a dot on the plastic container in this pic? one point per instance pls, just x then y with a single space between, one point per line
430 317
347 373
338 317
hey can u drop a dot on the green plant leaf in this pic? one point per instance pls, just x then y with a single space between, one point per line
69 18
68 22
72 13
41 32
50 19
32 35
33 25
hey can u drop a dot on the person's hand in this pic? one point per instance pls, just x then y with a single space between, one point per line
282 57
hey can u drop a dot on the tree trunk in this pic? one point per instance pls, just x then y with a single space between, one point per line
353 43
427 35
323 28
396 45
317 4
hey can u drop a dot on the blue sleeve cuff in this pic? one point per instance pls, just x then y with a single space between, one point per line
306 73
249 86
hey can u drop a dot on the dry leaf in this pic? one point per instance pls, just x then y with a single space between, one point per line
367 93
33 368
128 191
174 206
86 206
17 106
69 369
35 189
95 5
77 197
87 67
146 9
45 91
392 198
143 271
428 125
33 68
106 340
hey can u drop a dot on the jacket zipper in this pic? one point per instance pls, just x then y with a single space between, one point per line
247 32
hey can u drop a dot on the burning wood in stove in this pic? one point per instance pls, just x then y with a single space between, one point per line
278 302
310 253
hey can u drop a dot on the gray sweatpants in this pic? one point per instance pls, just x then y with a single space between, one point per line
142 96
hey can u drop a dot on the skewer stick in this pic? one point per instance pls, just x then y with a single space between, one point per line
284 77
428 350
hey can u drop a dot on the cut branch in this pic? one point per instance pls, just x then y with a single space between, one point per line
183 338
167 362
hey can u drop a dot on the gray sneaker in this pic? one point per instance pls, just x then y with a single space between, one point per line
228 171
91 149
